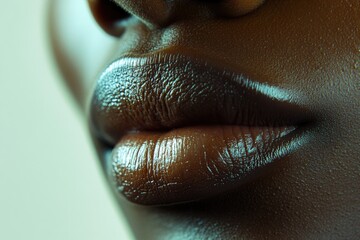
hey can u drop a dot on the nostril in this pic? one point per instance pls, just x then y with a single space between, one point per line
108 15
234 8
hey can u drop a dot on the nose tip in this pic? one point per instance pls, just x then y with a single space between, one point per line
160 13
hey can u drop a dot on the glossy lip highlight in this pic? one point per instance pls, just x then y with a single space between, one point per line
174 119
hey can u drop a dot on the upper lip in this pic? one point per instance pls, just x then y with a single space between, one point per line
165 91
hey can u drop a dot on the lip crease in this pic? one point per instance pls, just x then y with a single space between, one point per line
185 130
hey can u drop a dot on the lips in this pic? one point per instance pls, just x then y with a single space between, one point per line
184 129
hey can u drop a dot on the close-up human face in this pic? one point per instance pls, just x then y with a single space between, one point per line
231 119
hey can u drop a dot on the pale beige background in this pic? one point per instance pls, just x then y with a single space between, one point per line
50 181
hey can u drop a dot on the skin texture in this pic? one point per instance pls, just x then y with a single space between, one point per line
310 47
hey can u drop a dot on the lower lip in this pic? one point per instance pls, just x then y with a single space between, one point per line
187 164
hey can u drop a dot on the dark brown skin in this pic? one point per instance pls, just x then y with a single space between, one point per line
309 46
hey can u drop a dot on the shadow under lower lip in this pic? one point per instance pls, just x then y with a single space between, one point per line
192 163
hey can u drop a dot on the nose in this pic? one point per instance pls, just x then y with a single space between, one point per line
159 13
108 14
